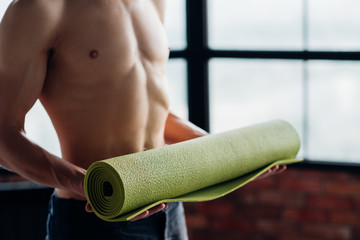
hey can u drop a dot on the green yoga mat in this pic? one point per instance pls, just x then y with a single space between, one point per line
201 169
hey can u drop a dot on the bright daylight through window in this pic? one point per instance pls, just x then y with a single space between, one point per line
320 96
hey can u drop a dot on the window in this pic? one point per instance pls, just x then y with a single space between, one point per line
247 91
333 121
175 25
261 60
333 25
176 74
255 24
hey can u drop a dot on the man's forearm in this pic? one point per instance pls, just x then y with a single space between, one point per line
20 155
178 130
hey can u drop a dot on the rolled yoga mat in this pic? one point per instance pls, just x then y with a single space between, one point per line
201 169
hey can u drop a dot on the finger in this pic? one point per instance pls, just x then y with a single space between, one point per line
150 212
268 172
157 208
140 216
281 169
264 175
273 170
88 208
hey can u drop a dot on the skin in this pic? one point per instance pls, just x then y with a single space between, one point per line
98 68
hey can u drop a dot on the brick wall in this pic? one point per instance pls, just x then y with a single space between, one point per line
299 204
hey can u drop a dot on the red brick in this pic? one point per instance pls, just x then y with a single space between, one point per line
197 234
216 208
275 227
302 185
346 218
357 204
190 208
324 175
245 197
344 188
295 236
291 173
196 221
302 215
268 182
284 199
327 202
212 234
259 211
356 233
231 224
354 176
262 210
337 176
322 231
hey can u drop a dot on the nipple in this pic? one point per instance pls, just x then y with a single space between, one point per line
94 54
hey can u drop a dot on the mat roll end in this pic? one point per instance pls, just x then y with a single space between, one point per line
104 190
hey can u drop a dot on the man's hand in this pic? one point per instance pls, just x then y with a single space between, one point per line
272 171
145 214
150 212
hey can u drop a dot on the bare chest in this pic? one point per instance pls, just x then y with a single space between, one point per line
106 39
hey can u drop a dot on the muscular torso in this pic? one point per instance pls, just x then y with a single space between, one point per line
105 87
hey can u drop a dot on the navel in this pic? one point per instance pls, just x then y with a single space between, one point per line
93 54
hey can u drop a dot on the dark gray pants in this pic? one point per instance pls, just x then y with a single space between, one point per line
68 220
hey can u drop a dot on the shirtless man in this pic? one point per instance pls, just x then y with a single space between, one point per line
98 67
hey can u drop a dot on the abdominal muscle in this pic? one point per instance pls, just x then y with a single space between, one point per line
132 129
105 122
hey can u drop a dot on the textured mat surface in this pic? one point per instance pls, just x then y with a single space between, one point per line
201 169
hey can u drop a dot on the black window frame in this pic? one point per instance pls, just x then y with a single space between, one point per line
197 55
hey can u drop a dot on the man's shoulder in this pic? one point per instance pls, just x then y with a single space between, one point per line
36 9
34 21
34 14
36 4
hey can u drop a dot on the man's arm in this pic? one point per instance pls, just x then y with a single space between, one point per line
178 130
26 34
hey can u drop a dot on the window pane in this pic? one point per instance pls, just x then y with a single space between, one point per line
245 92
176 72
175 23
334 24
3 6
334 111
255 24
39 129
